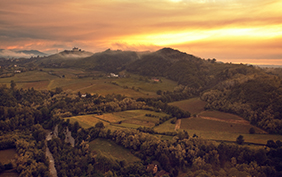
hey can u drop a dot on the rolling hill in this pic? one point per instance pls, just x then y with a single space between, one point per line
245 90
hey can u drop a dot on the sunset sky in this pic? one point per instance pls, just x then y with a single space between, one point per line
248 31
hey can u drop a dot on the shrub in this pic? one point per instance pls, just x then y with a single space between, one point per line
240 139
252 130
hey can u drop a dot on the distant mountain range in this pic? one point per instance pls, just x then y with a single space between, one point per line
20 53
32 52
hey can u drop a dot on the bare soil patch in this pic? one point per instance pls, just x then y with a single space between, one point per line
7 155
9 174
242 121
177 124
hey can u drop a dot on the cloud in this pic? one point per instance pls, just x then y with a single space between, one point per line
49 25
14 54
134 47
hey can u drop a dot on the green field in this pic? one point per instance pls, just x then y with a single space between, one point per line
124 119
207 124
147 87
132 118
215 125
227 136
35 79
220 115
111 149
50 78
165 127
197 123
218 130
193 105
86 121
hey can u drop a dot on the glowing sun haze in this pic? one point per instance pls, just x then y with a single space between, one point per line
248 31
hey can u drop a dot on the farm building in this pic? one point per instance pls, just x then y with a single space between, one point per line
113 75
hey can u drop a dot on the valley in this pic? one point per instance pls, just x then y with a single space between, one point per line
125 110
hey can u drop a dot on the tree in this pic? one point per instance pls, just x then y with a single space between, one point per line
159 92
13 84
99 125
240 139
164 161
252 130
58 90
278 143
271 144
2 168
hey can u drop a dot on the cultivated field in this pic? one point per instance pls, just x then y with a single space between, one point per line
216 125
228 129
198 123
74 80
111 149
124 119
9 174
147 87
193 105
165 127
86 121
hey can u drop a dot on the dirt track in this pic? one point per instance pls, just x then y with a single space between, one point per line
242 121
177 124
52 169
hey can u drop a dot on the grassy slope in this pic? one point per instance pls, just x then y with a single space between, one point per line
130 119
111 149
197 123
147 87
165 127
205 128
193 105
220 115
220 126
86 121
131 87
35 79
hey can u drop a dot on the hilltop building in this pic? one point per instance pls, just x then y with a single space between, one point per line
75 49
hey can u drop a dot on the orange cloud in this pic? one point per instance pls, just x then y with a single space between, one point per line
218 28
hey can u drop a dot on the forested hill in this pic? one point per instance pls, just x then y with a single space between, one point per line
60 59
108 61
187 69
236 88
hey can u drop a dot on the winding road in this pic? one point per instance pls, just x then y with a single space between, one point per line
52 169
49 136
